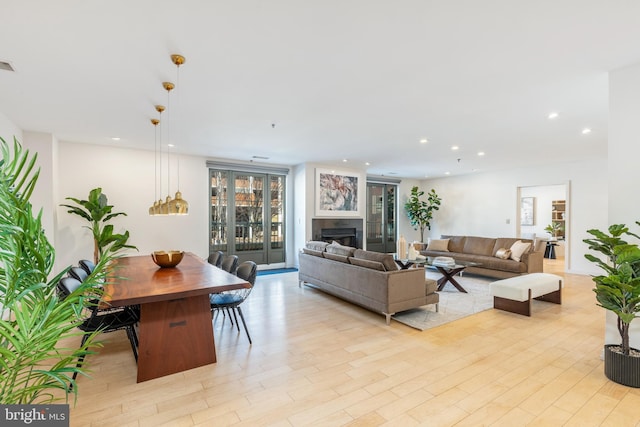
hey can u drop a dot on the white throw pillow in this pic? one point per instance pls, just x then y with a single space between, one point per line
517 249
441 245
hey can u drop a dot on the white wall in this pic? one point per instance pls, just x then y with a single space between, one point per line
127 178
8 129
486 204
623 177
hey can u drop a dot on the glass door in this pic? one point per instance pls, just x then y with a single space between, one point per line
381 217
246 220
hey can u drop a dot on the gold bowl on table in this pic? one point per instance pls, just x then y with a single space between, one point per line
167 259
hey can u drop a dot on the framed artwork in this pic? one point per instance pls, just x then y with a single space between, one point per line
336 193
527 211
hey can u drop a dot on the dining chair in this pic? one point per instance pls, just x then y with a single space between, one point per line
230 263
87 265
231 300
78 273
216 258
102 320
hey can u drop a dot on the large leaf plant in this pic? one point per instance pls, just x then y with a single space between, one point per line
98 212
35 367
420 212
618 290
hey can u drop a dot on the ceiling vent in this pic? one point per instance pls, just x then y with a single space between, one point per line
6 66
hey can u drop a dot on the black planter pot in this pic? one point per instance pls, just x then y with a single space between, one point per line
621 369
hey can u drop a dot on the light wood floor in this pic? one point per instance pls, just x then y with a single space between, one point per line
316 360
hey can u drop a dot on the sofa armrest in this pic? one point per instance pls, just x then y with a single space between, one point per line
533 260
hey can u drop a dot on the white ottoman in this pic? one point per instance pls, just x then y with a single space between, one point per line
515 294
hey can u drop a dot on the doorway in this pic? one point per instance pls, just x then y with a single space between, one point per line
381 217
542 208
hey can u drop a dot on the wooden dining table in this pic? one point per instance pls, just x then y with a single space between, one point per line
175 330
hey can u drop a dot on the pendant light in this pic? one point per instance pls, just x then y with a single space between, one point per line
154 206
177 206
164 206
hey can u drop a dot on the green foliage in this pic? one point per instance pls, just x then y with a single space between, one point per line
553 228
33 320
420 212
618 290
98 213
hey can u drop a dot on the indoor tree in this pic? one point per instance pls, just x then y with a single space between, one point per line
420 212
98 213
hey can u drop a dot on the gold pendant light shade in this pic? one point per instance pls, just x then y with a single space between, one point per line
177 206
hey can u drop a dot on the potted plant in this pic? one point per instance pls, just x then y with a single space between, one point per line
34 368
420 212
98 212
553 229
618 290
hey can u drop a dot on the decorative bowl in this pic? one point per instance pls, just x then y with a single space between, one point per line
167 259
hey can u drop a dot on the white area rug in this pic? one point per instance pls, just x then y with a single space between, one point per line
454 304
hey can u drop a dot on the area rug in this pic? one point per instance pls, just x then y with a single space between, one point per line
454 304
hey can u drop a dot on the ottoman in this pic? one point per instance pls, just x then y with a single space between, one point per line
515 294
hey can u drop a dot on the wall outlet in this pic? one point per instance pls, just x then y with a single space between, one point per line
508 221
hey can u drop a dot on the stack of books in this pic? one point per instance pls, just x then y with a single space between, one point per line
443 261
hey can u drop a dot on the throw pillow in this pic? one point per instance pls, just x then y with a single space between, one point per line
334 257
517 249
441 245
503 253
338 249
316 245
312 252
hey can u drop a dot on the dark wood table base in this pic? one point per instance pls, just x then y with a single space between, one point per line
447 276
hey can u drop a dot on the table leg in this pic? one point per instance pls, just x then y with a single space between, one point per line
447 276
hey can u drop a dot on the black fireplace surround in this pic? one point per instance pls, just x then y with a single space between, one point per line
347 232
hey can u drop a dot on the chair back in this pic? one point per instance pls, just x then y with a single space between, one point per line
67 285
230 263
78 273
247 271
216 258
87 265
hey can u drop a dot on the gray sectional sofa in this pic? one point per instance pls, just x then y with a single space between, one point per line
483 250
369 279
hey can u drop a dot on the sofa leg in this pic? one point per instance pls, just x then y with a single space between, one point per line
388 318
437 307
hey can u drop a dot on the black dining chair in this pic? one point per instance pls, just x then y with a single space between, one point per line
230 263
103 320
216 258
87 265
78 273
231 300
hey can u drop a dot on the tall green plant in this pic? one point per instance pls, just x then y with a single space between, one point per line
619 289
33 320
420 212
98 212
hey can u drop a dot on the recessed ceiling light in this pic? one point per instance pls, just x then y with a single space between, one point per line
170 145
480 153
115 138
367 164
344 160
552 115
586 131
426 176
424 141
6 66
455 147
447 173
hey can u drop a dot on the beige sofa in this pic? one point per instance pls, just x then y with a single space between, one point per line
369 279
483 251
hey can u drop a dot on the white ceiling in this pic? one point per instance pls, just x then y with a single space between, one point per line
363 80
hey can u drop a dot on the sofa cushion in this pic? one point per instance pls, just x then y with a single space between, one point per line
519 248
338 249
385 259
479 246
507 242
316 245
374 265
456 243
503 253
438 245
312 252
336 257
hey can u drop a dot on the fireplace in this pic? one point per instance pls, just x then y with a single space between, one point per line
347 232
345 236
